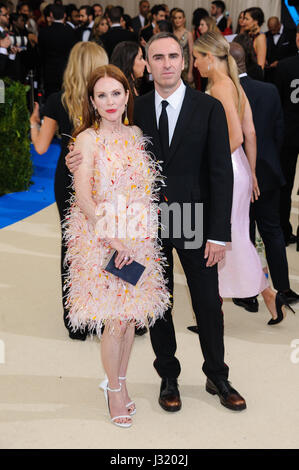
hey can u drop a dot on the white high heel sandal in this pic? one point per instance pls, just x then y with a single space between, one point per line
105 388
131 402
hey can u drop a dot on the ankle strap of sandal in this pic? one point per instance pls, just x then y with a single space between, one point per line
122 378
114 389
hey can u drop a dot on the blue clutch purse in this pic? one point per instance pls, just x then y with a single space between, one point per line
130 272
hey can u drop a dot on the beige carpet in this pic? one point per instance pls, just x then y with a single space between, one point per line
49 383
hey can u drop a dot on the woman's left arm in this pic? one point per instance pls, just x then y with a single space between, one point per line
261 50
250 145
41 137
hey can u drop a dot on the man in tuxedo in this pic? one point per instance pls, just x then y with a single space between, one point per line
281 43
72 16
217 11
158 13
55 44
116 33
287 81
140 21
269 126
86 17
98 9
189 134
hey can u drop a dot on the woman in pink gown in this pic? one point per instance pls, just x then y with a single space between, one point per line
240 273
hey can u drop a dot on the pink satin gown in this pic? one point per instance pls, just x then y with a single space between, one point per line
241 273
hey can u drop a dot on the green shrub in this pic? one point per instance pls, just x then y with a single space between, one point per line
15 159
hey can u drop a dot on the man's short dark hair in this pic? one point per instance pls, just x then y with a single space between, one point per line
88 9
143 1
163 35
156 8
219 4
57 11
97 5
22 4
70 8
2 5
115 14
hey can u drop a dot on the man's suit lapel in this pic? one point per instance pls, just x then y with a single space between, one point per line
182 123
155 137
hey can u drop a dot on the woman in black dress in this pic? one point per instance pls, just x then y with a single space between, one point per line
62 112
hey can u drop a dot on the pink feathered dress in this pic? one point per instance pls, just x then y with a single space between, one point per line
241 273
123 172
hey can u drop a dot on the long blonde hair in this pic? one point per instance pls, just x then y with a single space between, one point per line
84 58
218 46
211 24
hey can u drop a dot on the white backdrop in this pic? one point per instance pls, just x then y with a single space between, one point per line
270 7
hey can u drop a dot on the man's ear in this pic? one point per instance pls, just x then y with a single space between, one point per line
148 68
183 64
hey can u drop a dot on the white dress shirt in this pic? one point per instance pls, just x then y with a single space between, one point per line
219 19
276 37
173 111
142 20
87 33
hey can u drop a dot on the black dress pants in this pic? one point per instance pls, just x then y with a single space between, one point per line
288 160
265 213
206 302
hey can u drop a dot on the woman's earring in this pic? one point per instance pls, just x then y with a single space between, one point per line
126 120
97 117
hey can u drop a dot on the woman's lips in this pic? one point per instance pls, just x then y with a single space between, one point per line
111 111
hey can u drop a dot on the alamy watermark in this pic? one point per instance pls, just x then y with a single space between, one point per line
140 221
2 92
295 353
2 352
295 93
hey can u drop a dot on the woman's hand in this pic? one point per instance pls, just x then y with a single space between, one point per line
124 256
73 159
34 118
255 188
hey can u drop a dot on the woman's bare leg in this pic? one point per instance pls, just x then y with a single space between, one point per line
125 356
112 345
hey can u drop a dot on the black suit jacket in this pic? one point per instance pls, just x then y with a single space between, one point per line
147 32
269 126
55 43
116 35
285 47
222 24
199 167
136 24
287 82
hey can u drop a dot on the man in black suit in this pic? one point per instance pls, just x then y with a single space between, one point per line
269 126
281 43
189 134
116 33
217 11
140 21
86 17
287 81
158 13
55 43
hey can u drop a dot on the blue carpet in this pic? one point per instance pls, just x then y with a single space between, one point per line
18 206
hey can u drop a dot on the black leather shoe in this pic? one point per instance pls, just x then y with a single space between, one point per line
250 304
290 296
140 331
194 329
292 239
229 397
77 335
169 398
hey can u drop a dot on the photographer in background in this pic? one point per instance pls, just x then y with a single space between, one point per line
7 51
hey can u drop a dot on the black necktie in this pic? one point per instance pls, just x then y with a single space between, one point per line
164 130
